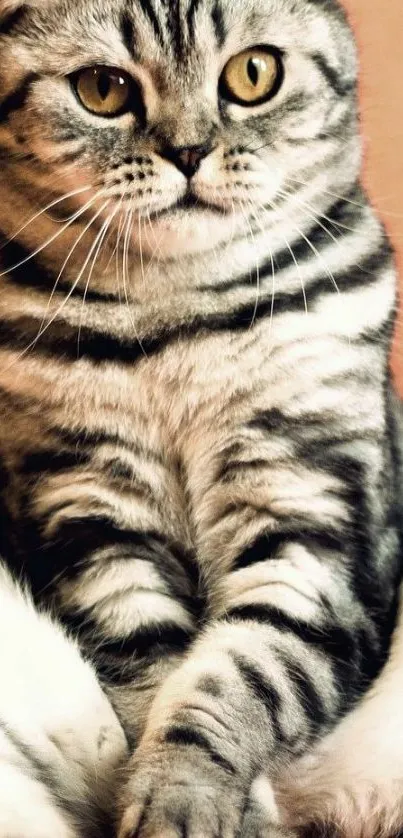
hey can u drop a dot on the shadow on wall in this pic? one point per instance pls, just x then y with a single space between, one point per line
378 28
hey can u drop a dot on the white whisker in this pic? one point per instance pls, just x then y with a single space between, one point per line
125 273
69 255
317 254
141 250
331 194
273 285
157 249
51 239
296 263
245 215
118 235
44 210
44 327
310 211
102 233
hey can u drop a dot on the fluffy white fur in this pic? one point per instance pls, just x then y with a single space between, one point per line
54 706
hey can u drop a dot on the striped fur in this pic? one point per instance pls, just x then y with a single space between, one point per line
200 447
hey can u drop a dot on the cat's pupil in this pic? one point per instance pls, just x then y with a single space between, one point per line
104 86
253 71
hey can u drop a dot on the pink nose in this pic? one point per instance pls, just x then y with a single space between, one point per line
187 158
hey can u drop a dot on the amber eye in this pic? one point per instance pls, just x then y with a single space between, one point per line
252 77
103 90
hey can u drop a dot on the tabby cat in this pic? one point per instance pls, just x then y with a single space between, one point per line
200 446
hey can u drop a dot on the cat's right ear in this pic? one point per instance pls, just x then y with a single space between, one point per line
10 9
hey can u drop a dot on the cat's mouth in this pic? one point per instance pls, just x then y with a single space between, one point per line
188 203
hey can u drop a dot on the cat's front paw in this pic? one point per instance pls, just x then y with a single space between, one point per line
179 792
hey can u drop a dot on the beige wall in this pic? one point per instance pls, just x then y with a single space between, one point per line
379 29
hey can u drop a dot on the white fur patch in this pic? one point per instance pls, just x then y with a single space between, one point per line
52 714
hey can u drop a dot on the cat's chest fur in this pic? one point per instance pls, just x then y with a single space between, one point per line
195 441
167 399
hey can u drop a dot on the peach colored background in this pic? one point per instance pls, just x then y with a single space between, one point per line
379 29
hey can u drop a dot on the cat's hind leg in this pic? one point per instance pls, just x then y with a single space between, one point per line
353 782
60 741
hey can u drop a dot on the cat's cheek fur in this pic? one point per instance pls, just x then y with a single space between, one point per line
61 749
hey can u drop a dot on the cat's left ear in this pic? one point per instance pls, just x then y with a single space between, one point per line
7 7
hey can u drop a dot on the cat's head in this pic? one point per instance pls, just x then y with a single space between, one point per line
198 116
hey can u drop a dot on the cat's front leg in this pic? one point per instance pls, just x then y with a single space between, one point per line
257 690
228 713
113 559
294 642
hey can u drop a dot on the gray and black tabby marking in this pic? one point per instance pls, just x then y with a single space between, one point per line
200 448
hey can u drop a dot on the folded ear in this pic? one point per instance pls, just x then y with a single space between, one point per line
11 8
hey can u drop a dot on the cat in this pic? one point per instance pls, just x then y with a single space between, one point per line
200 443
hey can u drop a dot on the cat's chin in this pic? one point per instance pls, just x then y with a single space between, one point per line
185 232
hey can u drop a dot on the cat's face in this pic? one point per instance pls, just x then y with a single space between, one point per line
192 118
